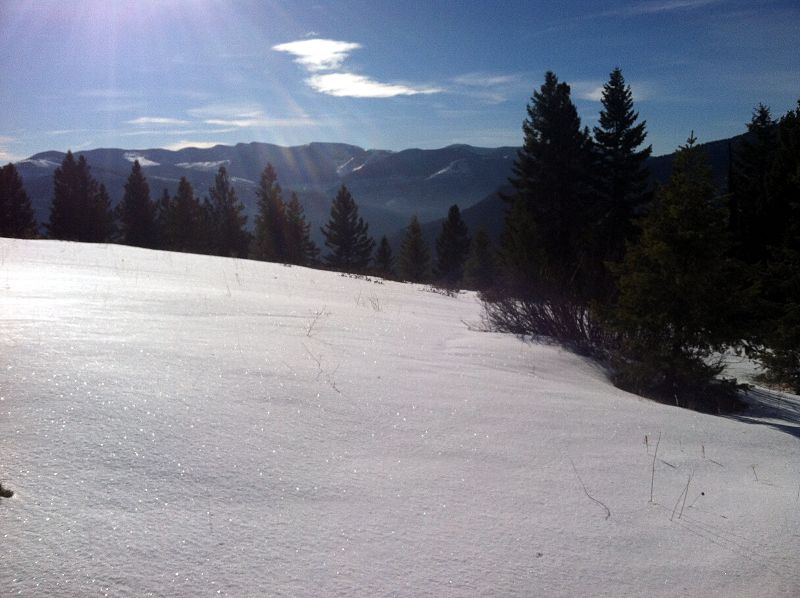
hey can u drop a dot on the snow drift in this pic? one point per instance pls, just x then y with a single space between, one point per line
187 426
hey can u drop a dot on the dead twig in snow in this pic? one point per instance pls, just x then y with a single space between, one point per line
317 316
683 495
653 471
602 504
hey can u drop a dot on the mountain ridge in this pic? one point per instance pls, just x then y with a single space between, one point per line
389 186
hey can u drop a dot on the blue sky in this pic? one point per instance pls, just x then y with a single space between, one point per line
382 74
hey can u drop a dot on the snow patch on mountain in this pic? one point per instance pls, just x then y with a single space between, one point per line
40 163
203 165
455 168
144 162
345 168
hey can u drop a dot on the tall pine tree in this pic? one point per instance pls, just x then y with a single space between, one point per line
452 248
480 268
779 334
544 243
621 176
757 216
227 219
384 260
137 213
414 261
269 242
300 249
81 210
346 235
548 281
16 213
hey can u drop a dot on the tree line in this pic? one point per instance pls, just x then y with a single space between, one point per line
656 282
216 225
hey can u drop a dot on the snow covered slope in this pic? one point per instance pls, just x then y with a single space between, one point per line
178 425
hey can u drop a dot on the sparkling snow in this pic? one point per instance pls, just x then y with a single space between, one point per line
179 425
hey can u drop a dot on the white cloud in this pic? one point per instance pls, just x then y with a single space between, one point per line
157 120
318 54
358 86
184 144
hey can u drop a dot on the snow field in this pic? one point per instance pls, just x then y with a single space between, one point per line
192 426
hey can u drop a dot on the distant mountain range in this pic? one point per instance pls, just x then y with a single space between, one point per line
389 187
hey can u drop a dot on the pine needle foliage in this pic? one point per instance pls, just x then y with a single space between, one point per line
16 214
347 235
452 249
414 262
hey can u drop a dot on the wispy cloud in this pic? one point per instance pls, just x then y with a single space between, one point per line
6 155
593 90
587 90
157 120
109 93
484 79
662 6
247 116
358 86
254 120
320 55
489 88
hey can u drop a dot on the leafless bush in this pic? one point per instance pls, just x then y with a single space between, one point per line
570 324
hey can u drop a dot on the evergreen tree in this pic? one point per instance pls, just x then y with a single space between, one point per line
270 243
163 212
384 260
227 218
185 218
677 290
549 278
81 211
346 235
779 333
621 176
102 223
757 216
452 248
544 242
137 213
414 262
480 269
300 249
16 213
